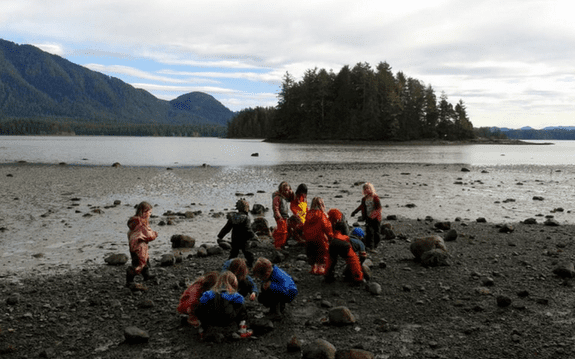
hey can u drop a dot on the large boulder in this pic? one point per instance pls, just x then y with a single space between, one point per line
319 349
261 227
182 241
116 259
435 257
424 244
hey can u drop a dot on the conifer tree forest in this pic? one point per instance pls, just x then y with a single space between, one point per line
357 103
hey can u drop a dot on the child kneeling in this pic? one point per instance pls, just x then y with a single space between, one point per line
278 287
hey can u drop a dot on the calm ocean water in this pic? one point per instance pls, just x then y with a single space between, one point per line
185 151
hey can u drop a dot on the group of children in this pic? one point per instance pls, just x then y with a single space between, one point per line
217 299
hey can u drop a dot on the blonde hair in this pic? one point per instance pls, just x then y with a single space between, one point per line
142 208
227 282
317 203
368 189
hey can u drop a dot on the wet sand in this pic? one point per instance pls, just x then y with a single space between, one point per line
58 217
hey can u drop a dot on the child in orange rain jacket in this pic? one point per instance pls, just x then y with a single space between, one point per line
190 299
340 246
370 208
280 203
139 235
299 209
317 231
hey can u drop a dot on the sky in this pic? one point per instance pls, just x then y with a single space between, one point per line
511 62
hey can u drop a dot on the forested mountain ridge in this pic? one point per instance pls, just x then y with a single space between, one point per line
38 87
359 103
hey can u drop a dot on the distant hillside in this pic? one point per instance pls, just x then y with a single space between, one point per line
529 133
38 86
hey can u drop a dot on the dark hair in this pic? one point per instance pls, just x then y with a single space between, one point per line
341 227
143 207
301 189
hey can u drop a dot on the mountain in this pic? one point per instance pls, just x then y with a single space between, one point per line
36 84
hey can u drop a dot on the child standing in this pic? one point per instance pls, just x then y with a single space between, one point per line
281 205
139 235
317 232
299 209
340 246
278 287
222 306
240 225
370 208
246 285
190 299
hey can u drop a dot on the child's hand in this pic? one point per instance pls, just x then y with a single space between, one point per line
253 296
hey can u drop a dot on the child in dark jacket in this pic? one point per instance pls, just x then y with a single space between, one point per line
240 225
278 287
370 208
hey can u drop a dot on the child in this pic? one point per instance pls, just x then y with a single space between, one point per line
190 299
317 231
340 246
370 208
240 225
280 202
299 209
222 306
246 285
356 240
278 287
139 235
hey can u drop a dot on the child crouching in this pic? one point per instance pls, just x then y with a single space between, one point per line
278 287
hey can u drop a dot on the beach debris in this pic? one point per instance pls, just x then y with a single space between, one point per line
182 241
135 335
116 259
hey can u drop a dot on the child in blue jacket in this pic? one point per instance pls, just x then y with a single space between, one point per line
278 287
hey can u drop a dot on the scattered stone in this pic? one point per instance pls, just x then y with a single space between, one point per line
341 316
481 220
261 227
225 245
450 236
317 349
146 303
565 270
136 335
488 282
424 244
261 326
530 221
116 259
374 288
552 222
13 299
506 228
465 169
435 257
538 198
215 250
503 301
353 354
294 345
388 233
116 164
392 217
444 226
167 260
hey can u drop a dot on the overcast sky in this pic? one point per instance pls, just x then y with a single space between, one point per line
512 62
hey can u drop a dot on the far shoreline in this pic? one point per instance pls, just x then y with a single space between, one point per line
478 141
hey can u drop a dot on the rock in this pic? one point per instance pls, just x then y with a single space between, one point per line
435 257
294 345
374 288
366 272
277 257
116 164
506 228
225 245
215 250
261 326
392 217
167 260
146 303
450 236
387 233
202 252
565 270
116 259
538 198
481 220
444 226
424 244
503 301
552 222
136 335
255 154
13 299
353 354
465 169
261 227
319 349
258 209
189 214
117 202
488 282
341 316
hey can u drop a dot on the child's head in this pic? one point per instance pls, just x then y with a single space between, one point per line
301 190
239 267
335 216
208 280
142 208
317 203
263 269
227 282
368 189
243 206
285 189
358 232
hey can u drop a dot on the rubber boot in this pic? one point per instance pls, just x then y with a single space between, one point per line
147 274
130 274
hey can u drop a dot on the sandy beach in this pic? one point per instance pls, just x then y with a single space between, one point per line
57 217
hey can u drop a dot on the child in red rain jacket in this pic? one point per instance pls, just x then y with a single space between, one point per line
370 208
340 246
190 299
139 235
280 203
317 231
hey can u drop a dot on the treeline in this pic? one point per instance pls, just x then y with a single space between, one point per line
357 103
33 126
552 134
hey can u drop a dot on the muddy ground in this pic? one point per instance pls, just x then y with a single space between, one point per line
438 312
